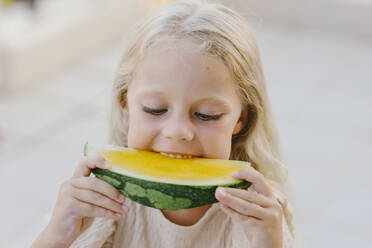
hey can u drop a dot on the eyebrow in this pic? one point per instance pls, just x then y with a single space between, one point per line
151 92
221 102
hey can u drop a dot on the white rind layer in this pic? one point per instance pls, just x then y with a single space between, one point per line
123 171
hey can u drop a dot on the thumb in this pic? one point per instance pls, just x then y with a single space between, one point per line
88 163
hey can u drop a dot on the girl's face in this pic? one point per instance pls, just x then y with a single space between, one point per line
183 103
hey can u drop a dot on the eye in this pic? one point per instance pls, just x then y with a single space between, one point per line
154 111
204 117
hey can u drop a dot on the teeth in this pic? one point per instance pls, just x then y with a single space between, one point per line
175 155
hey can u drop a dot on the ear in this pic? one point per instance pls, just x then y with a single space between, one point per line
240 124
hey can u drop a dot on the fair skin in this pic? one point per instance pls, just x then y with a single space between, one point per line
80 199
183 102
186 102
203 86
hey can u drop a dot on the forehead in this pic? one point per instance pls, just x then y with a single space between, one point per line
177 70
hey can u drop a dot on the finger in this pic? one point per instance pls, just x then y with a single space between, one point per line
89 210
86 165
239 205
257 179
99 186
237 216
251 196
99 200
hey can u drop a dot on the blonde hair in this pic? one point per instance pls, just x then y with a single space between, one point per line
218 31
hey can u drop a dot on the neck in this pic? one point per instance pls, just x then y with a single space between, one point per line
186 217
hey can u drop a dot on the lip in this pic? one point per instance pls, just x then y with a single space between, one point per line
178 153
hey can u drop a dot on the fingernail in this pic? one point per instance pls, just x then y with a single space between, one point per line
125 208
235 174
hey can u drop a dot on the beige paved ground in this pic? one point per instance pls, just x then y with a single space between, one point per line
320 88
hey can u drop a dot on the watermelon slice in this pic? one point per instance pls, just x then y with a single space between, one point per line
162 182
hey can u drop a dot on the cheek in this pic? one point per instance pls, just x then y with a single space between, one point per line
141 130
216 140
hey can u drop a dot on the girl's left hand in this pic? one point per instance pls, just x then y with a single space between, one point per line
256 209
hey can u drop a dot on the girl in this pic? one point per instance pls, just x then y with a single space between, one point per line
190 83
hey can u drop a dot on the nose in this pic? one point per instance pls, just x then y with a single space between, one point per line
179 129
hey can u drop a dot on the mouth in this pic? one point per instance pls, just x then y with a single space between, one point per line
176 155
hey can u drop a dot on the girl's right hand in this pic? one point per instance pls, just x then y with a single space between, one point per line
80 199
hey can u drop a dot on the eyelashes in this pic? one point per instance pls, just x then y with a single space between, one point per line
204 117
200 116
154 111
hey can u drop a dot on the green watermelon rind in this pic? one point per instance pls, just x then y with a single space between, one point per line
164 195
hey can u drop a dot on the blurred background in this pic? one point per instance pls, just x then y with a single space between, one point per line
57 63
